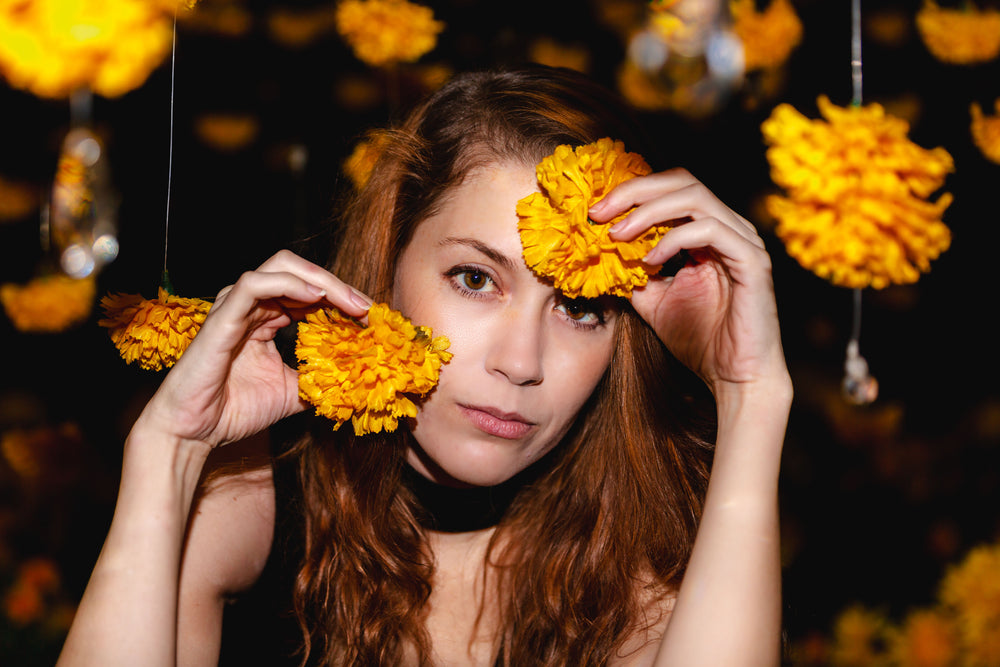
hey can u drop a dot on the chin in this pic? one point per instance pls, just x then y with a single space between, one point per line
466 468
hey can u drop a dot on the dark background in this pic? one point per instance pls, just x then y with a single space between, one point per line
877 500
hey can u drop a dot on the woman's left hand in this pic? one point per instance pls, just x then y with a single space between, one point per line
717 314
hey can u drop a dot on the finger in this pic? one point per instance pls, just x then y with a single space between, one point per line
741 257
337 292
671 197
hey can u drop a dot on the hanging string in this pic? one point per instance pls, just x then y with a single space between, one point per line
859 387
170 155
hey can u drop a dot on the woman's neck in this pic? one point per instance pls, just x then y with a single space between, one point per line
450 509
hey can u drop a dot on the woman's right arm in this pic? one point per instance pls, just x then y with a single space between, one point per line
229 385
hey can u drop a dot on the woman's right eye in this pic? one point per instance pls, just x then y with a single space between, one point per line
472 280
475 280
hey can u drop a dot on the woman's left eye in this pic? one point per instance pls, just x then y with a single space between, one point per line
583 311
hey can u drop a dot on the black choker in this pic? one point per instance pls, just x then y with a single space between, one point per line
458 510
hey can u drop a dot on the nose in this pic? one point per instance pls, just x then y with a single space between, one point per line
516 350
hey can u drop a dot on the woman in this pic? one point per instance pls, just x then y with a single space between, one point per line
609 546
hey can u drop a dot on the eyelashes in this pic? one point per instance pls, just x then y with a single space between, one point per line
476 282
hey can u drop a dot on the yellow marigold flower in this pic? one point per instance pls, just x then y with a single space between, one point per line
349 371
562 243
49 304
856 212
359 164
154 333
768 36
961 36
385 32
986 131
927 638
972 591
859 638
54 47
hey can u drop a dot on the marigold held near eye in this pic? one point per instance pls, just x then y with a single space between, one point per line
960 36
856 211
559 239
385 32
364 373
154 333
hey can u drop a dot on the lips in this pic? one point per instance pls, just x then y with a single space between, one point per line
506 425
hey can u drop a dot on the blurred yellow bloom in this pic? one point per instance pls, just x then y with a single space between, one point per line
363 373
972 590
986 131
359 164
562 243
856 212
768 36
299 28
55 47
18 200
960 36
49 304
385 32
154 333
927 638
858 638
227 131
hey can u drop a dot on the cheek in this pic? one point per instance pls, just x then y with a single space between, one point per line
578 369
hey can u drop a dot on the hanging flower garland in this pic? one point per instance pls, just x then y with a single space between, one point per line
53 48
962 36
563 244
50 303
768 36
154 333
364 373
986 131
856 212
385 32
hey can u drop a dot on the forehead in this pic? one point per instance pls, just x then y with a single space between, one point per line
483 206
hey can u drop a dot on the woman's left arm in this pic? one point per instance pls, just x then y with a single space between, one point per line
718 316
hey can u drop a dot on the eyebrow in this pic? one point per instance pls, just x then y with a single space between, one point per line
491 252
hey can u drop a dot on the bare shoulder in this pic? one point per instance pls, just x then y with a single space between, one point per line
641 647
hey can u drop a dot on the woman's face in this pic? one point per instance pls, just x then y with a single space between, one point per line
526 358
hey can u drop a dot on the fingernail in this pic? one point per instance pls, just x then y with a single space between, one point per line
315 289
360 300
617 227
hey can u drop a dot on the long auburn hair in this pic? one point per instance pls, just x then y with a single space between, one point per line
606 528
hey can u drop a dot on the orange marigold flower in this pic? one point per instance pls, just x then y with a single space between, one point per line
359 164
986 131
768 36
385 32
562 243
49 304
927 638
856 212
859 638
961 36
154 333
54 47
363 373
971 590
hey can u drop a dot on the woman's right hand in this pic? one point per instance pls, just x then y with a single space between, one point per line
231 381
